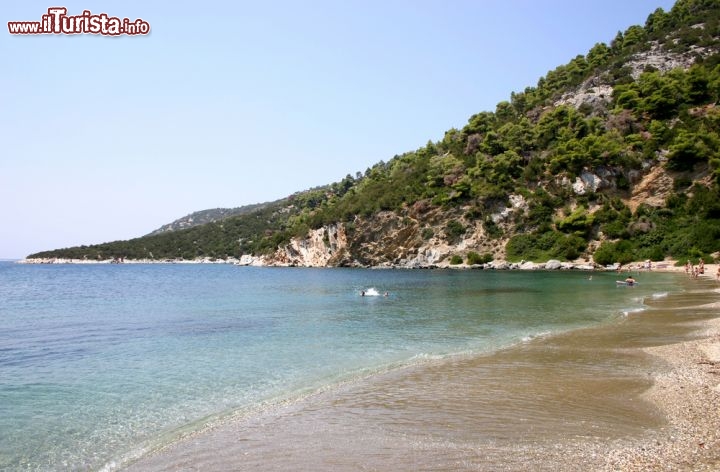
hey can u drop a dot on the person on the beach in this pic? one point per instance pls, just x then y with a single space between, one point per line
701 268
687 267
717 276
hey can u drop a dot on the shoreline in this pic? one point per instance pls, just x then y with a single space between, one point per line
667 265
688 393
684 388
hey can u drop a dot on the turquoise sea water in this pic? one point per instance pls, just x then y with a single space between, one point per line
101 363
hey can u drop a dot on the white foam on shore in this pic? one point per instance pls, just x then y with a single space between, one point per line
530 337
632 311
418 358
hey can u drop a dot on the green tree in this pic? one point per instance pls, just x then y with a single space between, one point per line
598 56
689 148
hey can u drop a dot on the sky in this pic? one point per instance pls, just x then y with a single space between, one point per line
228 103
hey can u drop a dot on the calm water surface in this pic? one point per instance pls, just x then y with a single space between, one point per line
101 363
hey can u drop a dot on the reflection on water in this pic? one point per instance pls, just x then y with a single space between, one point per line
480 413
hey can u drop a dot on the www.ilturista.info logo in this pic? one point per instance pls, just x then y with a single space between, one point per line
57 21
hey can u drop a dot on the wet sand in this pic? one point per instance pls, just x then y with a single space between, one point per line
641 394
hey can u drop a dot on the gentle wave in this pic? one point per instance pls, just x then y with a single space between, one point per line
633 311
531 337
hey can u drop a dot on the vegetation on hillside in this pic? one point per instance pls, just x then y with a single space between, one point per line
208 216
532 146
257 233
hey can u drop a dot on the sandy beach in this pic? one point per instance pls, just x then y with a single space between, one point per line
688 393
640 396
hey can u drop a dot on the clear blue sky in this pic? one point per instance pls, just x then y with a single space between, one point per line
231 103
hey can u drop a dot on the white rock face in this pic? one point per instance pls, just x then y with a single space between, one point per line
426 258
589 182
596 94
663 60
587 93
528 265
579 187
316 250
517 202
553 264
584 267
246 260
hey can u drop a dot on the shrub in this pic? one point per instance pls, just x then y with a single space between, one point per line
544 246
475 258
569 247
520 246
609 253
454 230
492 229
455 260
615 229
579 220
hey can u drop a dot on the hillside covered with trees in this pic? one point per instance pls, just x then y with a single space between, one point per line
614 155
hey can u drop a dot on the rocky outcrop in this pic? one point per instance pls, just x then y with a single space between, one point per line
652 190
659 59
597 94
320 248
590 182
591 93
250 260
388 239
553 264
517 204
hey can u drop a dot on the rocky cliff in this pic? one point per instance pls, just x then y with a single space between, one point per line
322 247
423 237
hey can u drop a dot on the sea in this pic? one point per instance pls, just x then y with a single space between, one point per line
102 365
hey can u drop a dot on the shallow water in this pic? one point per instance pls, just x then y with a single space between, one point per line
101 364
484 412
